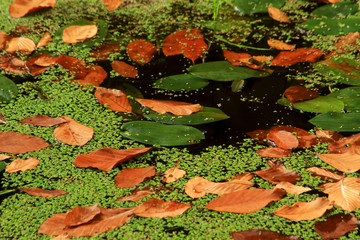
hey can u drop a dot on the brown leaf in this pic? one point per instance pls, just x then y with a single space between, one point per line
330 136
95 76
291 188
73 133
20 44
345 44
336 226
273 152
259 135
279 45
287 58
75 66
4 157
42 120
174 107
141 51
124 69
61 237
2 119
342 145
130 177
300 211
300 93
102 52
137 195
325 174
81 215
115 99
4 38
173 174
11 142
44 40
12 64
240 59
77 33
278 173
40 63
105 221
111 5
245 201
345 162
106 158
22 165
20 8
39 192
344 193
278 15
157 208
257 234
283 139
305 138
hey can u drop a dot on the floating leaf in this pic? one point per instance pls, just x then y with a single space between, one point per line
345 44
300 93
102 52
4 38
345 162
161 134
257 234
322 104
181 82
278 173
341 122
350 97
40 63
12 64
11 142
287 58
330 136
42 120
20 8
344 144
157 208
337 10
141 51
283 139
241 59
336 226
279 45
44 40
273 152
8 89
95 76
325 174
278 15
73 133
331 26
76 33
22 165
39 192
174 107
173 174
250 7
111 5
80 215
291 188
115 99
124 69
106 158
130 177
75 66
137 195
20 44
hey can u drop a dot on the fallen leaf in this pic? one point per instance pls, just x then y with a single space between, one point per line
95 76
336 226
273 152
301 211
39 192
4 157
12 142
300 93
22 165
40 63
73 133
240 59
20 44
278 173
20 8
330 136
325 174
79 33
130 177
291 188
141 51
61 237
44 40
80 215
2 119
304 137
258 234
111 5
4 38
259 135
287 58
42 120
75 66
174 107
136 196
279 45
102 52
173 174
115 99
344 193
345 162
106 158
245 201
158 208
124 69
278 15
345 44
12 64
342 145
283 139
194 48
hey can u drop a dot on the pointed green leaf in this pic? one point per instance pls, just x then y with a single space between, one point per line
340 122
181 82
8 89
350 97
332 27
320 104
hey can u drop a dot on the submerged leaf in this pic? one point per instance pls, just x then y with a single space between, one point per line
300 93
124 69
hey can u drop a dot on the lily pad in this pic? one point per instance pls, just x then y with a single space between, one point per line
337 10
208 114
340 122
224 71
161 134
350 97
256 6
181 82
322 104
8 89
332 27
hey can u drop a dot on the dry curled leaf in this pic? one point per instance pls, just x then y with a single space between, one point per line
278 15
130 177
39 192
278 173
283 139
157 208
124 69
291 188
22 165
79 33
174 107
273 152
20 8
300 93
20 44
141 51
115 99
111 5
11 142
279 45
42 120
44 40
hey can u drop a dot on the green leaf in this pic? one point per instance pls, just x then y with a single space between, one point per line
6 191
322 104
332 27
224 71
208 114
181 82
337 10
257 6
237 85
160 134
340 122
350 97
8 89
2 166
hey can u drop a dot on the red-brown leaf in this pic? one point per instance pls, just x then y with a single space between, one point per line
20 44
343 145
336 226
173 174
81 215
345 162
106 158
102 52
278 15
157 208
273 152
345 44
124 69
75 66
114 98
300 93
257 234
40 63
77 33
278 173
95 76
39 192
11 142
259 135
141 51
325 174
164 106
12 64
130 177
305 138
283 139
22 165
279 45
42 120
240 59
20 8
286 58
111 5
329 136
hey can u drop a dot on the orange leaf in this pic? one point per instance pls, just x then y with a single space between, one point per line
194 48
81 215
345 162
273 152
73 133
344 193
95 76
3 157
114 98
12 64
20 8
2 119
305 138
336 226
40 63
345 44
278 173
39 192
257 234
278 15
259 135
124 69
22 165
157 208
44 40
173 174
343 145
300 211
102 52
164 106
75 66
329 136
77 33
240 59
111 5
141 51
130 177
279 45
291 188
42 120
106 158
245 201
136 196
283 139
286 58
20 44
325 174
300 93
4 38
11 142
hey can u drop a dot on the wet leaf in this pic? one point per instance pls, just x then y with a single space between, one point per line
73 133
340 122
40 63
20 8
165 135
278 173
141 51
258 234
75 66
124 69
305 138
20 44
102 52
8 89
95 76
136 196
330 136
259 135
300 93
336 226
344 144
42 120
345 162
76 33
325 174
287 58
111 5
244 59
12 64
332 27
181 82
345 44
174 107
173 174
44 40
106 158
350 97
273 152
339 9
291 188
278 15
279 45
250 7
322 104
157 208
283 139
80 215
39 192
22 165
130 177
12 142
115 99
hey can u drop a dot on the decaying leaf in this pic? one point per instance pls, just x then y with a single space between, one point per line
79 215
22 165
329 136
20 44
291 188
344 144
157 208
137 195
42 120
300 211
278 15
278 173
174 107
258 234
12 64
279 45
345 44
20 8
73 133
345 162
245 201
325 174
4 38
44 40
115 99
111 5
240 59
141 51
95 76
287 58
259 135
173 174
336 226
130 177
11 142
79 33
75 66
39 192
124 69
283 139
300 93
273 152
106 158
40 63
102 52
